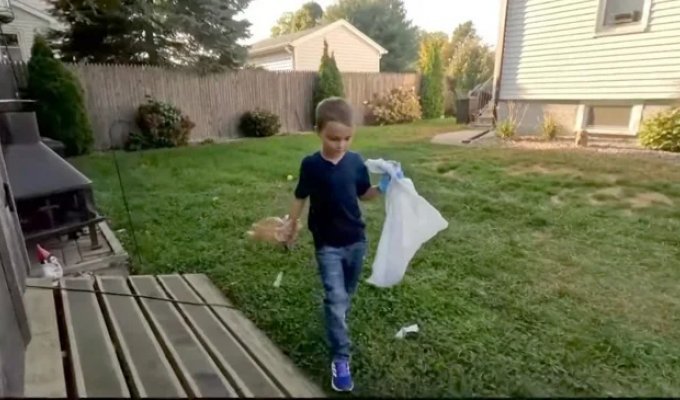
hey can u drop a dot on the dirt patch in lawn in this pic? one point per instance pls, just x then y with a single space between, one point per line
621 146
539 169
640 200
601 196
556 200
648 199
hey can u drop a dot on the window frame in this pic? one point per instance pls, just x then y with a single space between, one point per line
602 30
631 129
17 47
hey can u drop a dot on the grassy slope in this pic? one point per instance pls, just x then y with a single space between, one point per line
533 290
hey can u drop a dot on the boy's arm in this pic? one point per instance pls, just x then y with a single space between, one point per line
293 217
365 190
371 194
302 192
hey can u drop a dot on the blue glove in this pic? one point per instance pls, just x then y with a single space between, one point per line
384 183
387 179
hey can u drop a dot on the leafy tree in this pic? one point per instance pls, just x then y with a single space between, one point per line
470 61
471 64
432 89
196 33
308 16
329 80
385 22
314 9
61 109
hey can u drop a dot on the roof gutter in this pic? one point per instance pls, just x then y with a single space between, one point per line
265 50
498 63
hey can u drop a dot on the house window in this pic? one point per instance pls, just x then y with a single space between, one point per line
9 47
608 117
623 16
612 119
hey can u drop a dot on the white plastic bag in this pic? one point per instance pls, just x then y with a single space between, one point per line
410 222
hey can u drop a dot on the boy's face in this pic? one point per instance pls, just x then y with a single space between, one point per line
336 139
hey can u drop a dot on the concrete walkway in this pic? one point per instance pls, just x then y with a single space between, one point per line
458 138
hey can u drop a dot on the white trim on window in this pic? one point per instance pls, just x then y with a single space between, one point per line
601 30
16 49
635 119
633 124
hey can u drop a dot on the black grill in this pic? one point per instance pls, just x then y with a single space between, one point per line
53 198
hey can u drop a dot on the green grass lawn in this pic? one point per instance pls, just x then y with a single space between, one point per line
558 275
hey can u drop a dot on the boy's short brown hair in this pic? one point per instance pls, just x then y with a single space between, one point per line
333 109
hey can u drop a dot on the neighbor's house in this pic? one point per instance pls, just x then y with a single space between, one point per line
302 51
598 65
30 17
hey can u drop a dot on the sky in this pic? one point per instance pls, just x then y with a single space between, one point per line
431 15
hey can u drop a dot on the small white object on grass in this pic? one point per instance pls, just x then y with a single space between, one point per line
290 177
403 332
279 278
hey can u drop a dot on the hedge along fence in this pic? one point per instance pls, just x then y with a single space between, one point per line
214 102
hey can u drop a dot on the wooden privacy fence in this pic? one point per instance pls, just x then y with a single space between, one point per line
214 102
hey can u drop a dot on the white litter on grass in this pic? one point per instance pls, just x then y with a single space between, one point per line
279 278
403 332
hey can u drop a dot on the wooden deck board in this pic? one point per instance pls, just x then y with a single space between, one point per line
44 364
199 371
95 365
248 377
259 345
150 371
120 343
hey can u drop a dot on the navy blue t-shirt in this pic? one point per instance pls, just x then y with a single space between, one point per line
334 191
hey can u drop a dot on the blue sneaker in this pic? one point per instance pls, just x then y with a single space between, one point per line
342 377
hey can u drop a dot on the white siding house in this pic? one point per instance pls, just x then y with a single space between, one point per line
599 65
30 17
301 51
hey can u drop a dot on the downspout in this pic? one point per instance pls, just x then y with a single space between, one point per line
498 63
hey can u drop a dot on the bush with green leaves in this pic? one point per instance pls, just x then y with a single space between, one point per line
662 132
260 123
397 106
328 81
60 104
161 125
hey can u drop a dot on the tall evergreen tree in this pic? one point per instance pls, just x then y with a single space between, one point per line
60 109
432 90
329 80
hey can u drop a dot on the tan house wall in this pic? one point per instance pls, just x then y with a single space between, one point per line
279 61
352 53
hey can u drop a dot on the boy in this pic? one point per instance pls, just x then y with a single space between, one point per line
334 178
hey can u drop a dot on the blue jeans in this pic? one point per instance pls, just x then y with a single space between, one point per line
340 269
